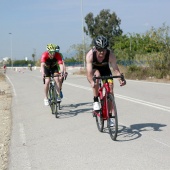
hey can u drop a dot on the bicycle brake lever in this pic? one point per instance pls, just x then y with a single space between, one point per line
65 75
123 78
94 79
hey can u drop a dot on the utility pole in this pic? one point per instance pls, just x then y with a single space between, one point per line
11 50
34 55
83 39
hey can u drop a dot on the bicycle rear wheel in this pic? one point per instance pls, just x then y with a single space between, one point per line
99 119
113 130
53 100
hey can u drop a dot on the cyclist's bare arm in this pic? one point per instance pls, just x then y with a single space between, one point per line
89 57
113 63
42 68
61 68
64 67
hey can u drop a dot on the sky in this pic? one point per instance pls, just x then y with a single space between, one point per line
35 23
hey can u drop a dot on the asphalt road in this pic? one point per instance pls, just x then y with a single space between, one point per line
39 141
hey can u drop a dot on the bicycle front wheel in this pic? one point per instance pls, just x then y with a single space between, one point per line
112 121
53 100
99 118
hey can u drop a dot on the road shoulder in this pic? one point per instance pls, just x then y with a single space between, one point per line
5 120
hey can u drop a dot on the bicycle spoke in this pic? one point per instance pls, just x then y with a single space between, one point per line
53 101
99 119
112 126
55 106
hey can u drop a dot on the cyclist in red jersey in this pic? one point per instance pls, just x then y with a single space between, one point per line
4 67
50 60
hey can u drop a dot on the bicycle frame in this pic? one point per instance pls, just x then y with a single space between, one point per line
105 86
103 98
108 109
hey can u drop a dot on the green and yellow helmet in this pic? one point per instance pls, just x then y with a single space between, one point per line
51 47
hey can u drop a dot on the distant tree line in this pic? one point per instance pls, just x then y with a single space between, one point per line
146 54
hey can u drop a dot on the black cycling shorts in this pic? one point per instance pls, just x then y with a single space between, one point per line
50 70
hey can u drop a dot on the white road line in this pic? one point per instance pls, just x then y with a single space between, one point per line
25 158
81 87
22 133
12 86
140 81
161 142
154 105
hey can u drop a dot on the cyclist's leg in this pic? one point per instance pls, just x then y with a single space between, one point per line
95 89
57 80
46 87
47 81
61 93
96 106
57 84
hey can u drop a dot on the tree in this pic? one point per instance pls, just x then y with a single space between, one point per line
77 50
106 23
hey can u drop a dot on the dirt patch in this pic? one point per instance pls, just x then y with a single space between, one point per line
5 120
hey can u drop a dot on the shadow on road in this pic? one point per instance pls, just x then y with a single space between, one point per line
72 110
135 131
147 127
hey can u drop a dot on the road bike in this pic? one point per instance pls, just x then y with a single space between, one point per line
108 106
52 95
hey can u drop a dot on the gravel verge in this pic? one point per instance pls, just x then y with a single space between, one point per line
5 120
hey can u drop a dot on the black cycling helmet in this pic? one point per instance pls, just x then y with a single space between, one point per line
101 42
57 48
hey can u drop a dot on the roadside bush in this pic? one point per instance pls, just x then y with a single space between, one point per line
136 72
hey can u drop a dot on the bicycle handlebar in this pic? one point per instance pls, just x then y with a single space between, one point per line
65 75
109 77
52 75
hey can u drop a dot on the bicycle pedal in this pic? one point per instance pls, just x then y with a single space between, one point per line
95 113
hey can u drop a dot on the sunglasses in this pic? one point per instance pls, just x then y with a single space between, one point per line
101 50
52 52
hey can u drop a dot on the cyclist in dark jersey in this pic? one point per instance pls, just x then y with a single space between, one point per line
50 60
98 62
64 69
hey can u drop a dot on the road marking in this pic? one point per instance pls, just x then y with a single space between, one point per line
157 106
81 87
25 158
161 142
12 85
154 105
140 81
22 133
